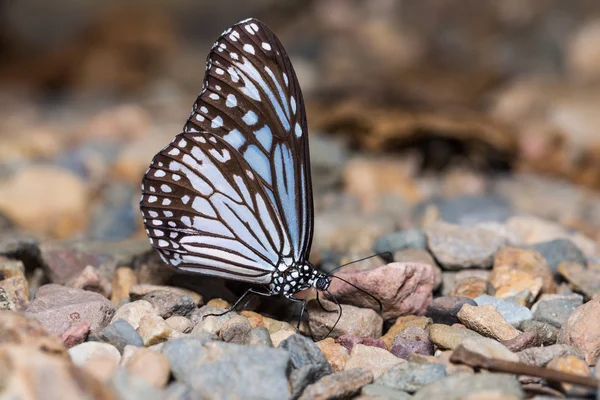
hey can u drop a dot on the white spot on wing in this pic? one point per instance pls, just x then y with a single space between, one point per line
217 122
235 138
266 46
248 48
231 101
298 130
159 173
250 118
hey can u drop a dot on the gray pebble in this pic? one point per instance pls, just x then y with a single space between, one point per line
559 250
462 386
410 377
512 313
340 385
546 332
259 336
380 392
169 303
540 356
397 241
120 333
555 309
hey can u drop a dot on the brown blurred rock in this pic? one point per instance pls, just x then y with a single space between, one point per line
150 365
19 330
124 279
153 330
471 287
581 279
64 209
133 312
91 279
17 291
258 320
98 359
571 365
180 324
487 321
371 358
402 288
582 330
11 268
336 354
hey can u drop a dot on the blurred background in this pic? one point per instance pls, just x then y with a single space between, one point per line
417 110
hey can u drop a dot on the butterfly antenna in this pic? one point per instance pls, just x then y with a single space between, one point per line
389 253
339 316
361 290
321 304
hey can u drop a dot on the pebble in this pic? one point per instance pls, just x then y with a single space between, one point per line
58 308
410 377
122 283
75 335
412 340
372 358
16 290
421 256
582 330
402 288
399 241
63 212
489 348
119 333
547 333
581 279
471 287
512 313
271 324
17 329
308 364
180 324
339 385
448 337
348 341
6 303
129 386
444 310
555 309
355 321
99 359
178 391
150 365
10 268
168 303
133 312
218 370
571 365
472 209
91 279
153 330
479 386
380 392
401 324
197 316
335 353
541 356
235 330
280 336
559 250
259 336
139 291
524 341
457 247
518 269
486 321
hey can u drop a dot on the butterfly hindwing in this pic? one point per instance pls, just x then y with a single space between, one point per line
251 98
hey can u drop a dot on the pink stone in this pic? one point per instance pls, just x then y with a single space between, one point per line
348 341
75 335
403 288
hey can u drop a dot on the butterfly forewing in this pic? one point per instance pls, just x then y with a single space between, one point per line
252 99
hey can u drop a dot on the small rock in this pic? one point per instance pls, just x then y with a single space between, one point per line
218 370
402 288
540 356
271 324
457 247
410 377
487 321
571 365
471 287
19 330
308 363
524 341
559 250
398 241
122 283
153 329
581 279
421 256
168 303
75 335
412 340
444 310
140 290
198 315
280 336
129 386
119 333
339 385
512 313
380 392
180 324
479 386
401 324
17 291
555 309
178 391
6 304
99 359
133 312
547 333
10 268
235 330
371 358
58 308
259 336
91 279
348 341
336 354
151 366
219 303
489 348
518 269
355 321
448 337
582 330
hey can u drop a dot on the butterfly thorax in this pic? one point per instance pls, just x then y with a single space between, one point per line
296 278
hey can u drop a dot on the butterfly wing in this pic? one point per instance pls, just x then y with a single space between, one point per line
252 99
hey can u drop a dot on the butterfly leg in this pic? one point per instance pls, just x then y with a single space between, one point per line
302 310
232 308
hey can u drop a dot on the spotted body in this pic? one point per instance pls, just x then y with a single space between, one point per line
231 195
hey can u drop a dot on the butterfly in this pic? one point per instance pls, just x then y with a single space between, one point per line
231 195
